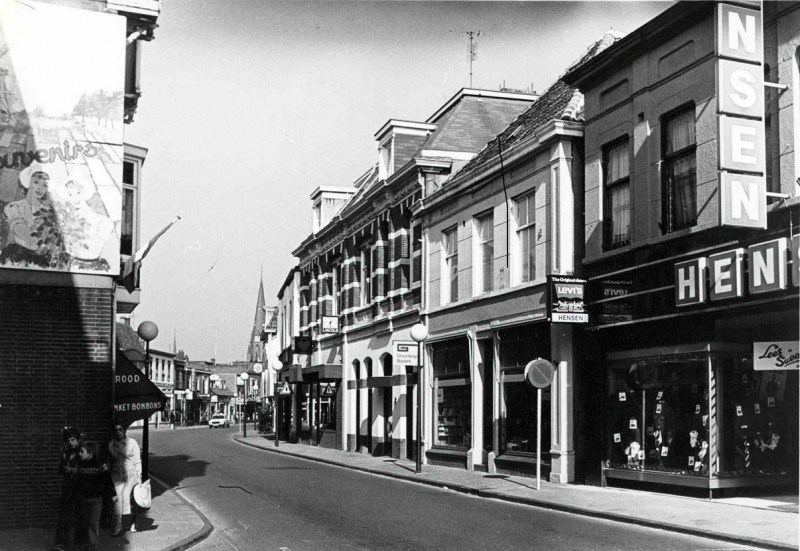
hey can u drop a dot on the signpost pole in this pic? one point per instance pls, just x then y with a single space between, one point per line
146 428
538 438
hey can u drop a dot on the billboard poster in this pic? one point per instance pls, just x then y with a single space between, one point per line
61 138
566 304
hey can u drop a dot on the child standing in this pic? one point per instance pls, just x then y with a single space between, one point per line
93 484
69 520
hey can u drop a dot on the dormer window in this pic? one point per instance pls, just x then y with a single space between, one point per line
386 161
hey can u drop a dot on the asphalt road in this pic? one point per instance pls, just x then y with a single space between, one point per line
259 500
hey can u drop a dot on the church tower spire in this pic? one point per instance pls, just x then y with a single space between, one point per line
255 348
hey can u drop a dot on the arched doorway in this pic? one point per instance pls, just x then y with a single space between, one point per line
368 374
357 376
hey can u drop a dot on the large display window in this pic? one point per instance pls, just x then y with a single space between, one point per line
452 393
518 346
699 415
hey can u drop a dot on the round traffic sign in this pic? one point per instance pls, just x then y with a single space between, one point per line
258 368
539 373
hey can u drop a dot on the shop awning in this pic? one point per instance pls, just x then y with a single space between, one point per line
135 396
323 372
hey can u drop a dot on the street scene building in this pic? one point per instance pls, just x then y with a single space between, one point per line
617 225
693 308
69 220
593 285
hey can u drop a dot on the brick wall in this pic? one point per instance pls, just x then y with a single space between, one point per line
55 363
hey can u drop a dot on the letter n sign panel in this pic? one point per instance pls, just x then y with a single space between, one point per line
743 200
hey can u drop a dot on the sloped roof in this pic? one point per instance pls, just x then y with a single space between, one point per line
473 122
559 102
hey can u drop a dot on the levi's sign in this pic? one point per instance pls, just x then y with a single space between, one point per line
566 302
722 276
740 103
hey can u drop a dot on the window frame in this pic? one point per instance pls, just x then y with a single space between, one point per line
667 160
365 276
530 201
608 220
450 261
479 279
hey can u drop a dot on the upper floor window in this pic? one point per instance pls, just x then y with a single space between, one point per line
678 170
365 276
484 270
450 274
526 239
129 181
617 219
416 253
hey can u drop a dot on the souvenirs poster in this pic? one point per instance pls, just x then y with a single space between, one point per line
61 138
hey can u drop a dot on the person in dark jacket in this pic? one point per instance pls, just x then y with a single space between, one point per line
93 484
69 507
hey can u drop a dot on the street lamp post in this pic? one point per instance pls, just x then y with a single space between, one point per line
147 331
419 333
244 376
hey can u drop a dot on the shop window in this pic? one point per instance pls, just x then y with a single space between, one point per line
678 171
699 417
450 272
525 239
484 242
617 195
518 429
452 393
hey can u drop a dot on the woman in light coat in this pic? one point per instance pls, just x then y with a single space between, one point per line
126 472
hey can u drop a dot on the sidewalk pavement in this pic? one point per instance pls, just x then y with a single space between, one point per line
171 524
756 522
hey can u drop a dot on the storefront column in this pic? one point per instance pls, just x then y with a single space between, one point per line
362 430
476 453
562 447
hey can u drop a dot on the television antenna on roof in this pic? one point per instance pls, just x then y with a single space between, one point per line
472 50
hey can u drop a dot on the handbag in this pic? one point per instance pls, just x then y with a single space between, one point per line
141 494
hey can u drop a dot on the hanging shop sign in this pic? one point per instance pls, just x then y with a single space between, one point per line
774 355
566 303
406 353
740 104
330 324
722 276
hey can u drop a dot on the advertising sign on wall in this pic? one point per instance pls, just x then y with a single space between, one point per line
740 103
61 138
566 304
773 355
406 353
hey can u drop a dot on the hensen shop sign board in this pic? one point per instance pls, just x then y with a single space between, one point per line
740 103
723 276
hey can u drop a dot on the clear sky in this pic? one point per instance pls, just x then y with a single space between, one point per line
249 105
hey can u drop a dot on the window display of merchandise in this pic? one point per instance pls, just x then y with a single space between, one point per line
519 415
453 411
699 416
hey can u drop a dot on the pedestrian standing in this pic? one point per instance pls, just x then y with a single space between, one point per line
93 484
172 420
126 472
69 517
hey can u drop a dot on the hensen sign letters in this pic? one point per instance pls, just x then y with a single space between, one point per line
740 103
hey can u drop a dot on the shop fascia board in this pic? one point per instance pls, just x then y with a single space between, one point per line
518 152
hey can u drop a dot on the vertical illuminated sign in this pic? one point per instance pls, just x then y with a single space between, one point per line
740 104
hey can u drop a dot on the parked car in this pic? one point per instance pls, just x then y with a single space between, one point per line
218 420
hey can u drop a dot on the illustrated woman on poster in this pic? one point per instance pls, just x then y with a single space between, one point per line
34 237
86 232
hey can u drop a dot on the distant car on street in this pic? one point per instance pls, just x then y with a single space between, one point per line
218 420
